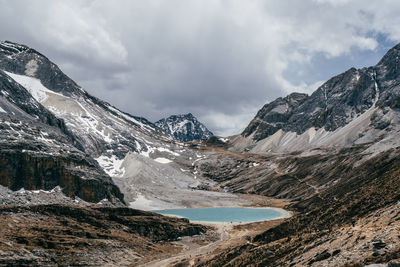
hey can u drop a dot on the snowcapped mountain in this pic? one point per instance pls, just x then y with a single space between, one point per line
184 127
150 167
359 106
39 152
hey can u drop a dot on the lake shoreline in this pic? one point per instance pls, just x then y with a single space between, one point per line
283 215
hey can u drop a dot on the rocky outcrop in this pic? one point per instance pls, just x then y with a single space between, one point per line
184 128
78 176
21 59
13 95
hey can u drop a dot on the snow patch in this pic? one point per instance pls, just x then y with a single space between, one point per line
2 110
162 149
33 85
55 189
131 119
163 160
24 191
141 203
147 153
111 165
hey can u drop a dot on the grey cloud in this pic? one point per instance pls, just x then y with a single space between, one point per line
220 60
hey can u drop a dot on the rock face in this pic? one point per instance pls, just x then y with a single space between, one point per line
349 108
184 127
274 116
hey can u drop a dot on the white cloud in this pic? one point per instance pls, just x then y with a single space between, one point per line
333 2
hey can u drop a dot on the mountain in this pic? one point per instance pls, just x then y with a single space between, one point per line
184 128
334 157
64 155
355 107
152 169
305 143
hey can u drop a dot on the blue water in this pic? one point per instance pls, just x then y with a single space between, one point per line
225 214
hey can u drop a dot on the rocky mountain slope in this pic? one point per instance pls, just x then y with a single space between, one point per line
150 167
184 127
351 221
38 151
300 145
102 129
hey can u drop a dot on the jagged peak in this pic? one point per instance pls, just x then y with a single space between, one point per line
187 115
184 127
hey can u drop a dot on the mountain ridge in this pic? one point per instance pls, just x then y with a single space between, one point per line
353 107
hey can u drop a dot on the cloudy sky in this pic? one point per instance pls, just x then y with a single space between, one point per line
222 60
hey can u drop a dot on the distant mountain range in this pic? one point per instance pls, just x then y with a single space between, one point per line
184 127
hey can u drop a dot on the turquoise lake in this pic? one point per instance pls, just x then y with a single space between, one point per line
225 214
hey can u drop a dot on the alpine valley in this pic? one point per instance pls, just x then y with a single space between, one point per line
79 177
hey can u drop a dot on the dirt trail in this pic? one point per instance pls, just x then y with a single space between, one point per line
229 234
